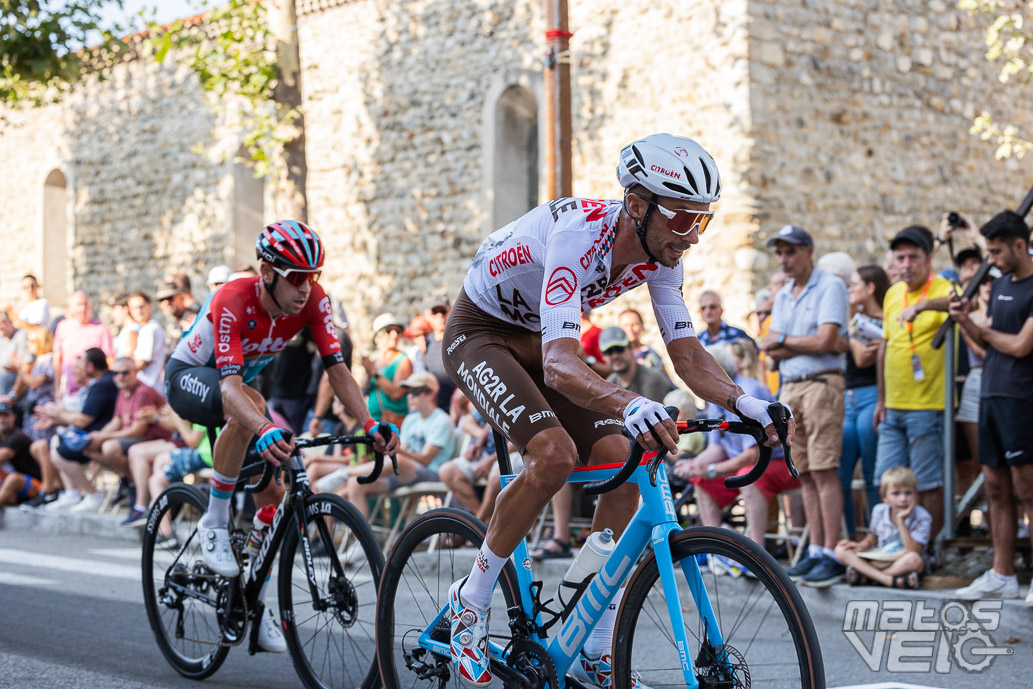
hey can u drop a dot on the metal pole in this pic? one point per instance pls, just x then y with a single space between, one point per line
558 169
948 435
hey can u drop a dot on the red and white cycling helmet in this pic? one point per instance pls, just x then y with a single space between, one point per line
291 245
671 166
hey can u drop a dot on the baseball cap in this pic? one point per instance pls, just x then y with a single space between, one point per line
912 235
792 234
437 301
418 326
219 275
968 254
5 408
612 337
423 379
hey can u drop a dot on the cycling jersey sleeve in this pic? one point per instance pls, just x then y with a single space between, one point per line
560 305
228 319
321 325
669 305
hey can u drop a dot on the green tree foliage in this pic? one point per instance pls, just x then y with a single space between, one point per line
41 46
1009 39
234 55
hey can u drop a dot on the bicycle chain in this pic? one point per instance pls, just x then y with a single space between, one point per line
223 644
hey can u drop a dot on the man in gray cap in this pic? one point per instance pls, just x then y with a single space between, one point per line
808 318
628 373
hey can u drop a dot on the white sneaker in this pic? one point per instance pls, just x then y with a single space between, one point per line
1029 598
270 638
65 501
990 584
90 503
217 550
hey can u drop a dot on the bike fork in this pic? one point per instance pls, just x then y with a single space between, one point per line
669 580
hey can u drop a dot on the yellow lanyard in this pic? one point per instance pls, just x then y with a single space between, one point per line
911 324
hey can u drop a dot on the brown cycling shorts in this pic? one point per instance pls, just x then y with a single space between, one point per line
498 366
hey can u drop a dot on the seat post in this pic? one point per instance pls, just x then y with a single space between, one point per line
502 452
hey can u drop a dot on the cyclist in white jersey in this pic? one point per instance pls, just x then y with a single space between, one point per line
512 343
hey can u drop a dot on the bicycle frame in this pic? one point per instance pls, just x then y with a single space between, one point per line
654 522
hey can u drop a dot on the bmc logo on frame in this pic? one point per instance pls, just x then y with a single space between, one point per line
924 636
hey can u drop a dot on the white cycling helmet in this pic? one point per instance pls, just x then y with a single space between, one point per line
672 166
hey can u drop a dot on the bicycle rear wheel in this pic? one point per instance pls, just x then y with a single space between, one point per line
769 640
424 563
180 593
330 636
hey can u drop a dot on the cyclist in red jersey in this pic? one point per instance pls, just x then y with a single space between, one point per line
239 330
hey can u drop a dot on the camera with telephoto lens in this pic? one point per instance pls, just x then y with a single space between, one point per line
954 220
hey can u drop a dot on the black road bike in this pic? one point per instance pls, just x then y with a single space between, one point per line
330 566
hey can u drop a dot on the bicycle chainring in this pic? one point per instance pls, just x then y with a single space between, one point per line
533 661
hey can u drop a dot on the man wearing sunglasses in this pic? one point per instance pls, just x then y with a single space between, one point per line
240 328
511 344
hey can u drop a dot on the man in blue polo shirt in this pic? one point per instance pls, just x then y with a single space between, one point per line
808 317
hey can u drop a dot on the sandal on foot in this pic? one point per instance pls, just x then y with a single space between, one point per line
905 581
856 578
544 553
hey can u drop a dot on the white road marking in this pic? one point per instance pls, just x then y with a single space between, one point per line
26 558
131 553
19 580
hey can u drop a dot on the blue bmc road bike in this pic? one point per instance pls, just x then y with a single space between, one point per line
704 607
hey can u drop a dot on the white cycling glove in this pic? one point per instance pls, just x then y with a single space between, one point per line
757 409
641 414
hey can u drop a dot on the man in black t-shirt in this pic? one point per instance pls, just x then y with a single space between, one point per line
19 472
1005 431
290 377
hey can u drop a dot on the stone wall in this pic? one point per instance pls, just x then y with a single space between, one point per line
142 202
861 111
849 117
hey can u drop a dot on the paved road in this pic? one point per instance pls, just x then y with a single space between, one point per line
71 614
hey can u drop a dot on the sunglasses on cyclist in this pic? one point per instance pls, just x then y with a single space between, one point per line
684 221
297 278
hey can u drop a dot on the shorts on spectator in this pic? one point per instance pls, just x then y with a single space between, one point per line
467 466
775 480
67 453
423 475
912 438
31 489
184 460
126 443
818 407
968 411
337 478
1005 433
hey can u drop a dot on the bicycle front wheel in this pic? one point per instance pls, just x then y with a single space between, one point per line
768 638
435 550
330 632
181 595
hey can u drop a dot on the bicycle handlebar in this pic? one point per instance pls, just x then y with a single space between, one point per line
779 417
269 471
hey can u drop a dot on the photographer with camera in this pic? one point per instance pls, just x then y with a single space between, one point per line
955 225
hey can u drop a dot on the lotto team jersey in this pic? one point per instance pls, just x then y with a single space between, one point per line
541 270
234 333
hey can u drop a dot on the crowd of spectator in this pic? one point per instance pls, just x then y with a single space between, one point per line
849 349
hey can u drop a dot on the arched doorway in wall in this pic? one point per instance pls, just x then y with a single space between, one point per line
55 238
516 155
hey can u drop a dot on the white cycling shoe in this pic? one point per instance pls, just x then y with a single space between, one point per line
596 672
270 638
217 551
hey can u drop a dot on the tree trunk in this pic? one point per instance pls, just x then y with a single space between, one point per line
292 173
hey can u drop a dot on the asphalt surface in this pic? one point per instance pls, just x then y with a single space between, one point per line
72 615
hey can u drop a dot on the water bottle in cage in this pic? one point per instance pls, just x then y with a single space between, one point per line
587 563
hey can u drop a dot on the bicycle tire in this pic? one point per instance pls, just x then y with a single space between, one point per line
711 541
344 595
179 502
433 523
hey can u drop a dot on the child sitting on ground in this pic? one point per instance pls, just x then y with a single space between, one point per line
900 530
